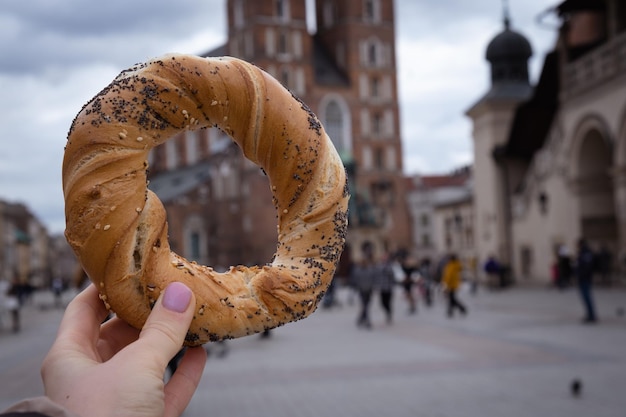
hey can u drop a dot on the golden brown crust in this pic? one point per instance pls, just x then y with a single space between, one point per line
118 228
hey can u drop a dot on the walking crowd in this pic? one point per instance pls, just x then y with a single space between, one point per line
373 276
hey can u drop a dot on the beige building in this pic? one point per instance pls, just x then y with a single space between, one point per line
441 208
26 253
550 160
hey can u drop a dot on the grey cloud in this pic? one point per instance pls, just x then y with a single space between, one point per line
39 34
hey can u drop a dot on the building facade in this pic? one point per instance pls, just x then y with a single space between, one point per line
28 254
550 162
345 70
441 207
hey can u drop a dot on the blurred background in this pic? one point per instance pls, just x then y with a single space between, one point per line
494 131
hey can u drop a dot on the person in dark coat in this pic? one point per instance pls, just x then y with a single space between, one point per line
386 282
365 277
584 275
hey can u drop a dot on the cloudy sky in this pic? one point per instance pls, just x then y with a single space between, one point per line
57 54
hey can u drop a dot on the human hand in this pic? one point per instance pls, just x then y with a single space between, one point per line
113 369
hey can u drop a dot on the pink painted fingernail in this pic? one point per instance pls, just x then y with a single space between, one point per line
177 297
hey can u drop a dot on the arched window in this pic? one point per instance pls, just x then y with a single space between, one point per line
335 116
334 124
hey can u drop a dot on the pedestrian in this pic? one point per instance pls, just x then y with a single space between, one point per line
451 281
364 277
584 276
473 271
114 369
386 282
409 267
14 305
57 290
493 270
426 281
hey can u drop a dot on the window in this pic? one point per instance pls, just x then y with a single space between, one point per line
391 158
194 249
239 14
296 43
285 77
340 54
372 53
379 158
374 87
334 124
335 116
282 10
171 154
371 11
367 158
329 13
270 42
377 123
282 43
195 239
192 146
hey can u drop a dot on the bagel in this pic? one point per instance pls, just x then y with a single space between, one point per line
117 227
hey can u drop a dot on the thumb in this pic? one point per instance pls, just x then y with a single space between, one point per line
164 332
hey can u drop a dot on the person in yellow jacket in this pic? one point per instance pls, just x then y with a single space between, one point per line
451 281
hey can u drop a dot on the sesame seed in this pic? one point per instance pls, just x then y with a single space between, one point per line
106 227
139 139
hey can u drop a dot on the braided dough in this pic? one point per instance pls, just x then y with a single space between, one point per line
118 229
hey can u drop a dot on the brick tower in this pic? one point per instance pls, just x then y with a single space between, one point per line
341 62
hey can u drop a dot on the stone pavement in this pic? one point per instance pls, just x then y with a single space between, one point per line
515 354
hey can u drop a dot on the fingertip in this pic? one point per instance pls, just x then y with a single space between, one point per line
177 297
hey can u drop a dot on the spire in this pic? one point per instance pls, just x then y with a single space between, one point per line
506 14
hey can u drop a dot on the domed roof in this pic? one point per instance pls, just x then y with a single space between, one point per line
508 45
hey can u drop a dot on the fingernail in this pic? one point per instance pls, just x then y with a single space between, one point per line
176 297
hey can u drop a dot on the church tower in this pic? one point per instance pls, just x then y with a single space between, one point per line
358 37
492 116
273 34
340 61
